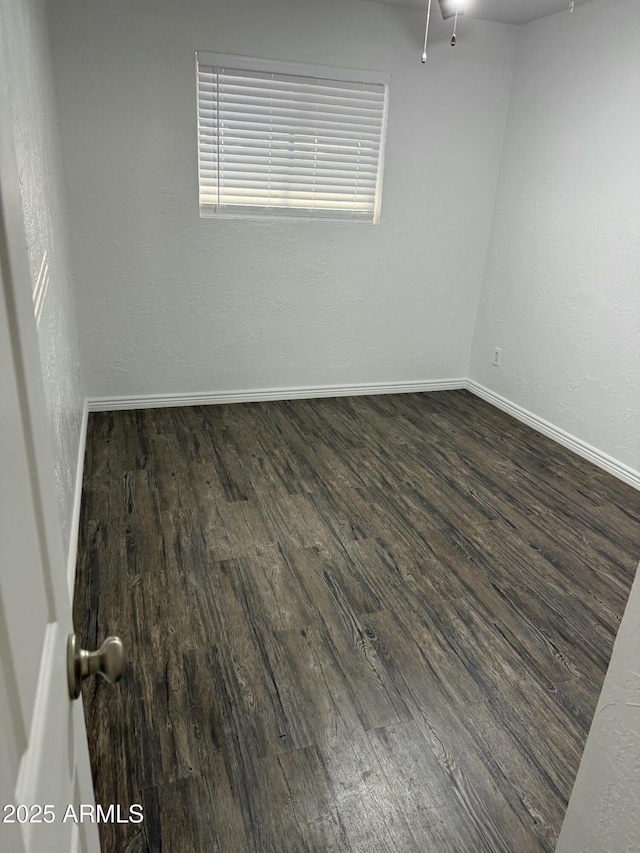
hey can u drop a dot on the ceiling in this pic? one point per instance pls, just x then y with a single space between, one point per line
503 11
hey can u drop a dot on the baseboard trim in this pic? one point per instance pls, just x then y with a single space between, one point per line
156 401
592 454
77 500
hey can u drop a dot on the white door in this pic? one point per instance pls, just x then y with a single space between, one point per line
44 761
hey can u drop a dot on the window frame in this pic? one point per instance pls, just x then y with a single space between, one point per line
324 72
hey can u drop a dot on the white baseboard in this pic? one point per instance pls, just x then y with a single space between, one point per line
77 500
602 460
152 401
156 401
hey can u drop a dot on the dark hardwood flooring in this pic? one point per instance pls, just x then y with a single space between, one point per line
364 624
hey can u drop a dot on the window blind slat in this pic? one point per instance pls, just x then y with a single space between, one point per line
348 100
256 146
345 179
304 85
260 212
289 145
300 202
294 112
290 107
267 129
267 93
283 166
224 122
285 191
308 160
303 176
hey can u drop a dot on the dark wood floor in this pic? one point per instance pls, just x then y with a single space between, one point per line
368 624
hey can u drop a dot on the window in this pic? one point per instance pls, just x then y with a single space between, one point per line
279 139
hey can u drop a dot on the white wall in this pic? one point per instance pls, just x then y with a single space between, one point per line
169 303
27 65
604 809
561 296
561 291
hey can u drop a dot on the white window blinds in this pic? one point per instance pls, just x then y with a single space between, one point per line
276 143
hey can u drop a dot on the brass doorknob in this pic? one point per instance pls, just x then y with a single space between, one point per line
108 660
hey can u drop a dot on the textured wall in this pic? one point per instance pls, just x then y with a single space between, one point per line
561 292
28 68
171 303
561 296
604 810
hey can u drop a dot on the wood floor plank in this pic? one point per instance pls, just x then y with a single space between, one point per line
558 559
169 811
503 677
324 694
225 458
374 695
352 624
359 802
290 521
314 800
143 523
468 741
166 460
256 676
273 594
392 567
453 810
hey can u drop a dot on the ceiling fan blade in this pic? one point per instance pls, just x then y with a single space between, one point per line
448 8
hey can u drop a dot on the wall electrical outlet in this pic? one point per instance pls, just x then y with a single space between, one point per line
497 357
